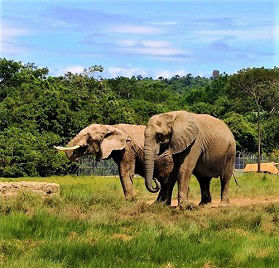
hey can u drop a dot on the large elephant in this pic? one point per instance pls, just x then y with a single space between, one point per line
124 144
200 144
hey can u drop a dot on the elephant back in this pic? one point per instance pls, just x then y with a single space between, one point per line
135 132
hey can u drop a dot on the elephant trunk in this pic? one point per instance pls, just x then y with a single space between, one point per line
69 149
149 168
70 153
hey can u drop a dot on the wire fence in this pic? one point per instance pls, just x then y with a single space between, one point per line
242 160
89 166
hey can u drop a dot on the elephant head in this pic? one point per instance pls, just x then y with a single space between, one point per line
98 140
176 130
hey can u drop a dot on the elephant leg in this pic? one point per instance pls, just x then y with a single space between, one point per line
183 188
184 175
170 190
225 183
126 167
166 192
205 190
162 197
127 185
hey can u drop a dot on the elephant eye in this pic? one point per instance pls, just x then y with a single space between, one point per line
159 136
107 134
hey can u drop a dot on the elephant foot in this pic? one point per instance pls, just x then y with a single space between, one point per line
224 204
131 198
187 206
205 204
163 201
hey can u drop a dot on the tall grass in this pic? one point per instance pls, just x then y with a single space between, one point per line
92 226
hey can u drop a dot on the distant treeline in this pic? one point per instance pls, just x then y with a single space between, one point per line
38 111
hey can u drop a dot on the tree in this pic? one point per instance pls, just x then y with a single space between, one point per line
243 131
260 85
215 74
38 111
93 69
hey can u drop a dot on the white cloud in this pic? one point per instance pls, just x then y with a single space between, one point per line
276 32
8 36
135 29
143 43
77 69
165 23
7 32
59 23
156 48
260 33
169 74
127 42
128 72
155 43
155 51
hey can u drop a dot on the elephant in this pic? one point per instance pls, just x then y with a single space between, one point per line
200 144
124 144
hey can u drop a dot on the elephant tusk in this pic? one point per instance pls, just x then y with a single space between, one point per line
63 149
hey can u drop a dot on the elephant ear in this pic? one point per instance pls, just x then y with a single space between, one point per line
184 132
114 140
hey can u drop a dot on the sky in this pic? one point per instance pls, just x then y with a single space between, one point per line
148 38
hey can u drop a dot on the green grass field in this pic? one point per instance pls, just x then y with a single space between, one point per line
92 226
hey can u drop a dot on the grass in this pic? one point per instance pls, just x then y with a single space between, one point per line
92 226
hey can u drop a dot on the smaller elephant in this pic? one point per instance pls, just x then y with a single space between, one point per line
124 144
199 144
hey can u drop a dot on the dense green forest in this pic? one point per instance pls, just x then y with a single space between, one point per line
38 111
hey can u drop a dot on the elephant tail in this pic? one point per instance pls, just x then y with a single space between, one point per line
236 180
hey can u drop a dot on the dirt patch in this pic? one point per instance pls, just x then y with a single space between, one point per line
42 188
241 202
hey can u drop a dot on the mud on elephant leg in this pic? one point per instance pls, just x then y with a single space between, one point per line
205 191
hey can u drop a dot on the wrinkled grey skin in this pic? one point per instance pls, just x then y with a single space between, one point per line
124 144
200 144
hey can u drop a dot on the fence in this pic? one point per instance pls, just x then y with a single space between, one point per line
89 166
242 159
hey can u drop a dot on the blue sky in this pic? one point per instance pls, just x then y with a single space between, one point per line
151 38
